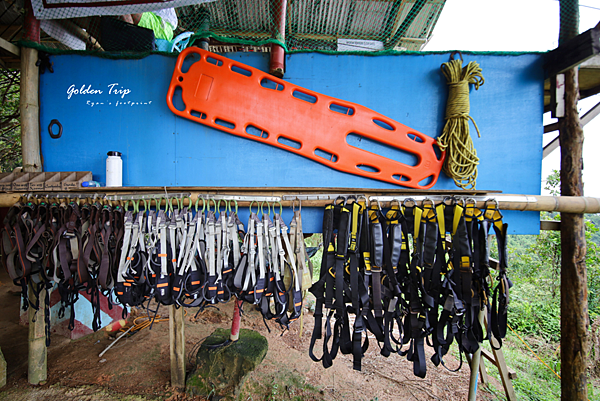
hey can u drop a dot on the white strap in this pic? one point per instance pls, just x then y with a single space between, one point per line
162 235
261 251
210 243
291 255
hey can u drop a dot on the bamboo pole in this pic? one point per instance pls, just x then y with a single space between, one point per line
573 287
30 111
29 99
538 203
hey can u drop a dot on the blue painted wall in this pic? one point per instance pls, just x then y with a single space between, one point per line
121 105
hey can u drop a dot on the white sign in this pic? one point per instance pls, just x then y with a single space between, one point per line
359 45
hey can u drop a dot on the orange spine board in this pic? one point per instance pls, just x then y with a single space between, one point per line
250 103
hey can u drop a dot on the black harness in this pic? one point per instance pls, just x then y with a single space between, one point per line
410 275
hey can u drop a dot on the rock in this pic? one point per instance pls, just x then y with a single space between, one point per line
221 370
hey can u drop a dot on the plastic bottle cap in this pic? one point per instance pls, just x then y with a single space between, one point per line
113 153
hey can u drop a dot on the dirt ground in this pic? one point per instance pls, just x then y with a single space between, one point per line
138 367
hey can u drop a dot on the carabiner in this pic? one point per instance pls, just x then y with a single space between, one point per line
250 207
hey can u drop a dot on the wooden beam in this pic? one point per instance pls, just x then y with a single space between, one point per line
9 47
589 92
177 343
549 225
573 52
587 117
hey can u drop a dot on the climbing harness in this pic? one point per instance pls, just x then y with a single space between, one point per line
174 254
410 275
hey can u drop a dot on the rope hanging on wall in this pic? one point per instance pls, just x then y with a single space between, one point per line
461 157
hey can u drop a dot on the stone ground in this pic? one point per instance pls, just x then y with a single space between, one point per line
138 367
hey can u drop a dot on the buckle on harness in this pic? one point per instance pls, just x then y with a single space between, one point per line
376 269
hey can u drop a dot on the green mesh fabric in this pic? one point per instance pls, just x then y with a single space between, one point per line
255 25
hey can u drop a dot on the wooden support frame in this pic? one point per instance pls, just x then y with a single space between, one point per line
490 357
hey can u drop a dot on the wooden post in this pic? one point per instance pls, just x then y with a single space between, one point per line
574 305
474 364
177 341
29 101
38 353
2 370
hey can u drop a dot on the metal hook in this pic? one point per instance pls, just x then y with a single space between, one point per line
454 53
407 200
366 201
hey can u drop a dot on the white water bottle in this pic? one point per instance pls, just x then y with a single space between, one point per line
114 169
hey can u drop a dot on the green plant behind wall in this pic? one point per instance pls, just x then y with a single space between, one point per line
10 120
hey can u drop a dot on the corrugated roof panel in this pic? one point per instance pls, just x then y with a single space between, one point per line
327 20
370 18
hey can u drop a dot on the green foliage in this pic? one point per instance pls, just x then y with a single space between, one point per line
10 125
534 263
553 183
534 309
316 240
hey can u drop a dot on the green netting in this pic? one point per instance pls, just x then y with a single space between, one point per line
253 25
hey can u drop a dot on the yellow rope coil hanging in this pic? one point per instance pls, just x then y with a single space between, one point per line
461 157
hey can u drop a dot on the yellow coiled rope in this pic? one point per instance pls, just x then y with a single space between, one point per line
461 157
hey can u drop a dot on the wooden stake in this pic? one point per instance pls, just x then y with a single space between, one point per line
38 353
177 341
30 111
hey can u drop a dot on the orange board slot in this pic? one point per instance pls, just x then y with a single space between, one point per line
242 100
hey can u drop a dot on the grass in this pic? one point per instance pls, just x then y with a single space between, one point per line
286 385
534 381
